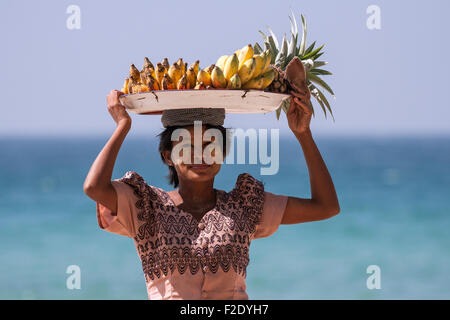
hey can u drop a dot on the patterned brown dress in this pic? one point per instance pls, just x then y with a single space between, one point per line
183 258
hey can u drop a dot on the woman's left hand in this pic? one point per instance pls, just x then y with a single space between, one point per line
299 113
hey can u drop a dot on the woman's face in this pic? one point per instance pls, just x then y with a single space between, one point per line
199 166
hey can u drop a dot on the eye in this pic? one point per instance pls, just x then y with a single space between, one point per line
186 145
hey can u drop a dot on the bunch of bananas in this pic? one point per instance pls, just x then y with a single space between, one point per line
163 77
244 69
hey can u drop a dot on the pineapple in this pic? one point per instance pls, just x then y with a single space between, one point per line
283 53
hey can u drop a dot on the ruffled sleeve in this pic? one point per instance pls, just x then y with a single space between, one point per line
130 190
248 193
272 214
264 209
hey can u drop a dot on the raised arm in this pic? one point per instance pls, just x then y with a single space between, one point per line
97 184
324 202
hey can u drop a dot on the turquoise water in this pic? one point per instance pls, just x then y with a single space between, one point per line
395 213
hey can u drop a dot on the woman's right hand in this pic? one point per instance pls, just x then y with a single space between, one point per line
116 109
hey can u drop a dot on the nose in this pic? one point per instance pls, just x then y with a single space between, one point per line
197 155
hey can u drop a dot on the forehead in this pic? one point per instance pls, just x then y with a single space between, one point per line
191 129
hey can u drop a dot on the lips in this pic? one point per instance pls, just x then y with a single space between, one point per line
199 166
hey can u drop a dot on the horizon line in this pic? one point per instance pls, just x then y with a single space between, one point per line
284 135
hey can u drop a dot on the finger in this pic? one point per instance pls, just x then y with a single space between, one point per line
292 107
117 93
302 96
305 107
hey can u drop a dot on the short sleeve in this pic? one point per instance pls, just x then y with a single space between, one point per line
272 214
124 221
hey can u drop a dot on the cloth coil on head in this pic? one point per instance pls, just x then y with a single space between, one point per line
186 117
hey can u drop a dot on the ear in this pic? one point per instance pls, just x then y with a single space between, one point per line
167 158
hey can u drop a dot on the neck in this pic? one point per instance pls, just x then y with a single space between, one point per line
198 193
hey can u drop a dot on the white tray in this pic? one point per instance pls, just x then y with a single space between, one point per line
234 101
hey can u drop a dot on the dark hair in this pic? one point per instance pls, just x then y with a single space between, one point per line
165 144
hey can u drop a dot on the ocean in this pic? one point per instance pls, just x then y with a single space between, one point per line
395 215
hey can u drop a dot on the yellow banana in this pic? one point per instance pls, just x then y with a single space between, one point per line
268 57
143 74
147 71
153 73
125 86
245 54
247 69
268 78
231 66
261 81
159 72
130 85
221 62
142 88
167 83
260 60
218 79
180 63
165 63
200 85
234 82
156 85
195 65
254 83
136 87
175 73
147 64
182 83
134 73
191 77
210 68
204 77
151 82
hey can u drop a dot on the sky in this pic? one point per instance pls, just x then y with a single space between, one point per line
390 81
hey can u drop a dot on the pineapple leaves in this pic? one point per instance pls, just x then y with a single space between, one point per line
315 93
281 60
257 48
302 48
274 39
269 44
282 53
318 64
292 49
312 108
321 105
320 97
310 48
325 101
314 78
321 72
285 105
317 56
295 24
278 112
312 54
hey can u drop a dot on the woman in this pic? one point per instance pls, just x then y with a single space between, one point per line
193 241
